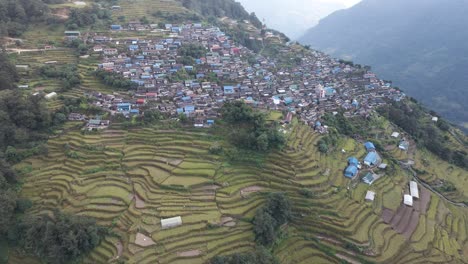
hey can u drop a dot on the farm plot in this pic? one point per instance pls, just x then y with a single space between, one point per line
130 180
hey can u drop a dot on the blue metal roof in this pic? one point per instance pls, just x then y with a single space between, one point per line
353 161
351 171
369 146
371 158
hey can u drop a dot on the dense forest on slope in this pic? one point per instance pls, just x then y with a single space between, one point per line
25 123
16 15
422 50
220 8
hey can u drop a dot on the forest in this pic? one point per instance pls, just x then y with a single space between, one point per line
16 15
220 8
25 123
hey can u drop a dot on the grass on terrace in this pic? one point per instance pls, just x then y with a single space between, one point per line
185 186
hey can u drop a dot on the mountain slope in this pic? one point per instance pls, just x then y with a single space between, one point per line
417 44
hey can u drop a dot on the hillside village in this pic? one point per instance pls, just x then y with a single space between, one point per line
309 88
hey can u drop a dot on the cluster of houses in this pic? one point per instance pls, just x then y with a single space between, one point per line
372 159
225 71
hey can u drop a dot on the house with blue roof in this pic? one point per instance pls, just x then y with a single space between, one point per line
404 145
351 171
329 91
189 109
124 107
371 159
288 100
353 161
116 27
369 146
228 89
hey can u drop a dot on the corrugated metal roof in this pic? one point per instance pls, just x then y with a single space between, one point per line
171 222
414 189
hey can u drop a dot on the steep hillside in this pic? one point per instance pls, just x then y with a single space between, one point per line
119 174
416 44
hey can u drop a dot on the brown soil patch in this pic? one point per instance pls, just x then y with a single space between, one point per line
249 190
139 203
228 221
190 253
144 241
404 221
119 247
176 162
425 198
63 13
387 215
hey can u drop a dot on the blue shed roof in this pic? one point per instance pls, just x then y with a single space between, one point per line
371 158
353 161
351 171
369 146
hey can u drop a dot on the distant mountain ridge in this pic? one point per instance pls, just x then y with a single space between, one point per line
418 44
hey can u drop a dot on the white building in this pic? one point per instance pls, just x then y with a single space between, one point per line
370 196
395 134
414 189
408 200
50 95
171 222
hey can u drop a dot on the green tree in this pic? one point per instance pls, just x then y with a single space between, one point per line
264 227
62 239
279 207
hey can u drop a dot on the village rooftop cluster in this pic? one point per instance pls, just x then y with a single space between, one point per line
309 88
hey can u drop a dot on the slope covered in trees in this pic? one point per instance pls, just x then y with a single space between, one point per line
417 44
220 8
16 15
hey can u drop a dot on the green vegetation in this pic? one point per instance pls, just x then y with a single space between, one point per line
68 75
15 16
63 239
220 8
248 129
115 80
269 218
259 256
82 17
8 74
415 121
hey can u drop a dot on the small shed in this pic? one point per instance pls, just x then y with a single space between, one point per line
408 200
369 178
383 166
351 171
171 222
370 196
369 146
395 134
414 189
371 159
435 119
50 95
353 161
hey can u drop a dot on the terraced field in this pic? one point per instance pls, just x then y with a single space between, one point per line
135 9
129 180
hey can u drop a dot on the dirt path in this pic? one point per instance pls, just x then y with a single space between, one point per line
190 253
12 50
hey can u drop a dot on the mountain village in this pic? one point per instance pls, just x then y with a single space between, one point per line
317 84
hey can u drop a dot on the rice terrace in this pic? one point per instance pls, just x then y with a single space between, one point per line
130 180
187 131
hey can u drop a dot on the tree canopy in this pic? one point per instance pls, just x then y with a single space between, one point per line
61 239
249 129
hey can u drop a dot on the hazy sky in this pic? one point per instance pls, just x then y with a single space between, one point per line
294 17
